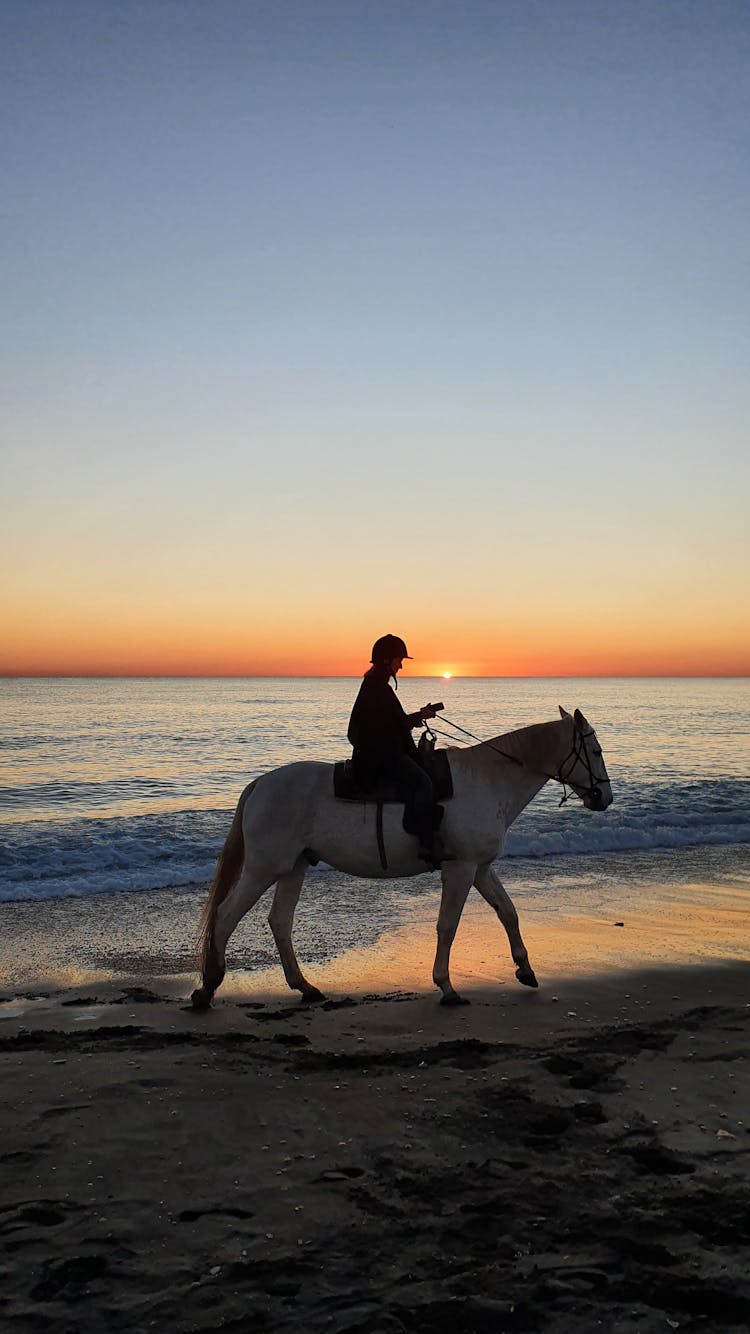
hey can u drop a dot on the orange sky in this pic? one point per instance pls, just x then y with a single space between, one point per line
405 323
559 641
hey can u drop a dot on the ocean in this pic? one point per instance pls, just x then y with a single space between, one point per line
116 796
116 786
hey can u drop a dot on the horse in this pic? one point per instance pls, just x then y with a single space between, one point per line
289 817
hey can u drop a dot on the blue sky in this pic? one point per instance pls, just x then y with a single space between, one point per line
461 288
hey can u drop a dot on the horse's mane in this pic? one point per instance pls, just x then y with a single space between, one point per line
524 743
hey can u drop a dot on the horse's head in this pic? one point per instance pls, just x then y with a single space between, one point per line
583 768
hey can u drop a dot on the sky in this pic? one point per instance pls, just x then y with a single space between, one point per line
324 320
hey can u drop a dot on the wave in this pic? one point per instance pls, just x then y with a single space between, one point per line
120 854
35 741
627 838
59 795
106 856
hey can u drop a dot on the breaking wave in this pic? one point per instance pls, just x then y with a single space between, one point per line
41 860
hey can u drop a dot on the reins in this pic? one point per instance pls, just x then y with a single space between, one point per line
576 754
506 754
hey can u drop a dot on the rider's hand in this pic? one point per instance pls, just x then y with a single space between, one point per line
427 712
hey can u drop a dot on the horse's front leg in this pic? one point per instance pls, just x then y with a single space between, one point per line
457 881
492 889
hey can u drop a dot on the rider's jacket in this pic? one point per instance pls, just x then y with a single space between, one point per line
379 729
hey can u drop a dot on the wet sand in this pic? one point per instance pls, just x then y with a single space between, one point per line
572 1159
671 909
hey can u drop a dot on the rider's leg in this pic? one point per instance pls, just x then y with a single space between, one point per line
417 789
492 889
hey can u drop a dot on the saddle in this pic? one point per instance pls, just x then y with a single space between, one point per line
435 764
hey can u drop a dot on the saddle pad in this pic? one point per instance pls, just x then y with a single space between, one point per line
346 789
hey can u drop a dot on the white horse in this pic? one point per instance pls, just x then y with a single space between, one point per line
289 816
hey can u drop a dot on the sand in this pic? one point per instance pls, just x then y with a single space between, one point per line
572 1159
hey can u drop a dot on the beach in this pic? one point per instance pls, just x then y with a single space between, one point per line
570 1159
558 1161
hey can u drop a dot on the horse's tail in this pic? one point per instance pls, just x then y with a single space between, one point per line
226 875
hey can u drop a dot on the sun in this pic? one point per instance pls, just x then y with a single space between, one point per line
447 676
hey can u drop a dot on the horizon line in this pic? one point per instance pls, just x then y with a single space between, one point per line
355 676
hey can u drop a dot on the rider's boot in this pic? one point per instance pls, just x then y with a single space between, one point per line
432 851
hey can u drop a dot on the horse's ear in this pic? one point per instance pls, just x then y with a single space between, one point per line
563 712
579 720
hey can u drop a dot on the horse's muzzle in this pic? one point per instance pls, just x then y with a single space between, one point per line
600 798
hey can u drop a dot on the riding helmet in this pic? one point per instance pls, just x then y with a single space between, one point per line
388 647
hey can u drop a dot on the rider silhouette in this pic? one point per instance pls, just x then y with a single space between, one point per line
383 748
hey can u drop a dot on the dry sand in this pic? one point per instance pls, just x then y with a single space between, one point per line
574 1159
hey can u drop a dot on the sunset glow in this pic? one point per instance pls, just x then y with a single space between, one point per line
288 622
399 326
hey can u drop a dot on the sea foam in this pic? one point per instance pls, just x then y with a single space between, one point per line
92 856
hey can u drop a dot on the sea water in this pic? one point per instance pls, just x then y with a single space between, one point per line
115 786
116 796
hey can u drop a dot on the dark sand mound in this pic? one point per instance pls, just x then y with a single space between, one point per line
381 1166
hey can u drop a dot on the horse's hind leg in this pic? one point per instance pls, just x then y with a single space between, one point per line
250 887
492 889
457 878
281 920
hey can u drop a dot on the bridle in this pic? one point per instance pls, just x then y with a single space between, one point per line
579 752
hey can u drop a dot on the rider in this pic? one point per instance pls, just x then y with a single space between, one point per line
380 733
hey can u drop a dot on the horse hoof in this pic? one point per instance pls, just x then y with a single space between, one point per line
310 997
453 998
527 977
201 999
